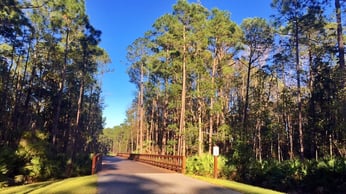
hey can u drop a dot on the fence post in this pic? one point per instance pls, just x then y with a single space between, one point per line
183 165
93 165
96 163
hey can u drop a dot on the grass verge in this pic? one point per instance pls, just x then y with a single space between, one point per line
76 185
88 185
243 188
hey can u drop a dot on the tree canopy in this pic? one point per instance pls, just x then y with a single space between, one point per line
50 95
263 90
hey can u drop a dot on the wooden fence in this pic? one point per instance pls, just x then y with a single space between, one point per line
124 155
96 163
174 163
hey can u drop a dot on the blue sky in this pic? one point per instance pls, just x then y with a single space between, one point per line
122 21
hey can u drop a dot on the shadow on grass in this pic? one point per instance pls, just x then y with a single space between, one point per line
85 184
26 188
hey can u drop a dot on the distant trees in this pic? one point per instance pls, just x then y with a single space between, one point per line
49 93
271 95
258 42
256 90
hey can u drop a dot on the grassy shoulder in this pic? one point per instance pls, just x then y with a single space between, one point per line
83 185
88 185
243 188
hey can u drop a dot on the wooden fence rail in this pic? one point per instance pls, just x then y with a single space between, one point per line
174 163
124 155
96 163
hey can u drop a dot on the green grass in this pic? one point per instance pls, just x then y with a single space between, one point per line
88 185
82 185
243 188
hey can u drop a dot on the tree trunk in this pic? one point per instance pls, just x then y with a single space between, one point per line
290 134
212 99
341 49
79 103
246 104
60 91
330 137
164 131
279 148
141 110
200 132
299 101
153 135
138 147
181 147
259 139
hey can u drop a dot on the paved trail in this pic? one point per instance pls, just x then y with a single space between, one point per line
121 176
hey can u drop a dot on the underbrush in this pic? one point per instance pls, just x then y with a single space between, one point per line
293 176
35 160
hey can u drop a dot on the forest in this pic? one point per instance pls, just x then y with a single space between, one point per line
269 92
50 93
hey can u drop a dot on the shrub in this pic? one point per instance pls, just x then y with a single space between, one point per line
327 176
34 159
82 164
308 176
204 166
11 165
34 149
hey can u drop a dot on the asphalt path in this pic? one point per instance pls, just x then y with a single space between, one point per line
121 176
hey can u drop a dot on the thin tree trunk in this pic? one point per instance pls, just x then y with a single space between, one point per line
330 145
299 101
341 49
75 133
181 147
152 126
290 134
279 148
141 110
210 140
79 104
246 105
211 114
259 139
60 91
278 121
316 146
200 132
287 118
164 131
132 140
138 125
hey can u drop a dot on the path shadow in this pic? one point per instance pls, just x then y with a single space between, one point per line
121 176
109 163
124 184
133 184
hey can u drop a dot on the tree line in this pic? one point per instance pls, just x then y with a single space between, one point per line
50 94
265 89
